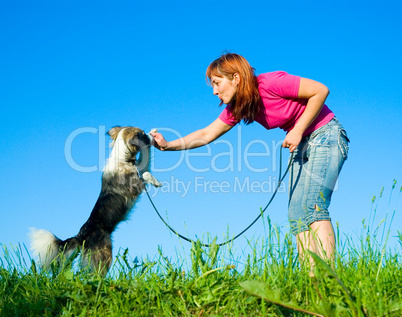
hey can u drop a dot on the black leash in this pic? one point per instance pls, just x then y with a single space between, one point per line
251 224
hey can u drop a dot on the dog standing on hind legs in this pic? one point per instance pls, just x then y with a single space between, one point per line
121 186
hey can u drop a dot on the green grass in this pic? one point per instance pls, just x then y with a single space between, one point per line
366 280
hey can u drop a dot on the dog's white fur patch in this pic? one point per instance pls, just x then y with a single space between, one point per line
117 155
44 245
117 159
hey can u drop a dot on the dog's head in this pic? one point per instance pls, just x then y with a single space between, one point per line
134 139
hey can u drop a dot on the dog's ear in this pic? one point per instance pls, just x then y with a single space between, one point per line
113 132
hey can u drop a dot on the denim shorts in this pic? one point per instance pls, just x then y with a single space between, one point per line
317 162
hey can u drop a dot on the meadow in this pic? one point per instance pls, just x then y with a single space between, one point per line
365 280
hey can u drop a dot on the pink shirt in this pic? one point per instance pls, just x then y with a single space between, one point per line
280 105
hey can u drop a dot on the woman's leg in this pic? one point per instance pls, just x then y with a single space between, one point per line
319 240
312 179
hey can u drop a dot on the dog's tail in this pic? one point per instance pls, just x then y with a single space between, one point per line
96 247
47 247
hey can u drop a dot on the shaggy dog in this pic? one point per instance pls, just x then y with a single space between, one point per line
121 186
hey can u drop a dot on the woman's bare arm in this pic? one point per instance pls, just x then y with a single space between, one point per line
193 140
316 93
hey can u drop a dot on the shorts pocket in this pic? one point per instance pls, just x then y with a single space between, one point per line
322 138
343 143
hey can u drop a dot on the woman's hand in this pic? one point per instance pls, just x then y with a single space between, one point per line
292 140
159 141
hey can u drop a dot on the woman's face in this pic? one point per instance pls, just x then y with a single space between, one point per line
224 88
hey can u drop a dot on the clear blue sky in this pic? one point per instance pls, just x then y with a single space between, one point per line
81 67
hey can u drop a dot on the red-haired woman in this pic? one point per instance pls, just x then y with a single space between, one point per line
314 135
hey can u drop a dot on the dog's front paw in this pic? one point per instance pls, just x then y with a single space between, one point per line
148 178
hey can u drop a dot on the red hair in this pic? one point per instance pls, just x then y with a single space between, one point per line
248 99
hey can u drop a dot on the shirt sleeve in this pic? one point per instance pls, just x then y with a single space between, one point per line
283 84
227 117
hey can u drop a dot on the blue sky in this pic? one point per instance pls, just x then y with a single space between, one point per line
78 68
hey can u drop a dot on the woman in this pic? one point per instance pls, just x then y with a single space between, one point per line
314 135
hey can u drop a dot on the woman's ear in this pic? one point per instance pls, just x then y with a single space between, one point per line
236 78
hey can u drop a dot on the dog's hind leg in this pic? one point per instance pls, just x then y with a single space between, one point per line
102 259
97 252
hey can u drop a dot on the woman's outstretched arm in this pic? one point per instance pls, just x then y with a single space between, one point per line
193 140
